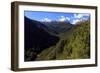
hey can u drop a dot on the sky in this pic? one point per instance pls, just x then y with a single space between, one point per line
73 18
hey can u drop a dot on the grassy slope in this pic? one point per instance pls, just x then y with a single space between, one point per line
73 44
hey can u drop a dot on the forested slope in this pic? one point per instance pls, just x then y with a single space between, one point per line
73 44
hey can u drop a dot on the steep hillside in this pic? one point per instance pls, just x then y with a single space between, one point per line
36 39
76 46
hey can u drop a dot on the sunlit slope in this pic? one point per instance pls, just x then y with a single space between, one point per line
73 44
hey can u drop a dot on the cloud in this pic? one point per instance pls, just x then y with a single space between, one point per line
84 18
46 20
63 18
68 18
80 15
76 20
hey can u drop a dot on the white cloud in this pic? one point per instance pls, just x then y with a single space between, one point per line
68 18
63 18
84 18
76 20
46 20
80 15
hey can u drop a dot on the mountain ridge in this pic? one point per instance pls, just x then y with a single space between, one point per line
36 38
57 41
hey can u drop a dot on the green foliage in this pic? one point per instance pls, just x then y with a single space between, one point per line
74 44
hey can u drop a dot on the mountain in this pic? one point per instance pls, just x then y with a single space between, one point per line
36 38
57 27
77 46
56 40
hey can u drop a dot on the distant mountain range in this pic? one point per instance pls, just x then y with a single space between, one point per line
57 27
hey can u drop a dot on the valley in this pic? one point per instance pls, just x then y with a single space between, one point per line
56 40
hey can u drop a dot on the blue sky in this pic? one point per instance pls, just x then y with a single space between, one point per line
56 16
